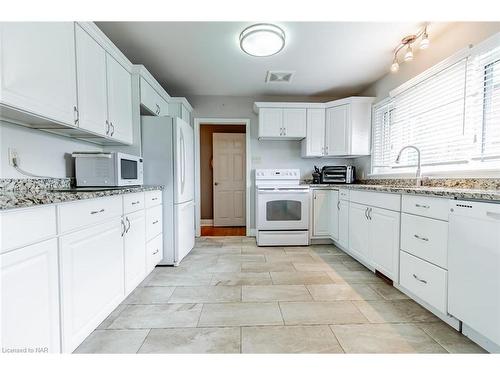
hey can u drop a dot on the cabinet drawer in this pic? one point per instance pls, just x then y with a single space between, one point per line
436 208
26 226
133 202
153 222
153 198
344 194
425 238
425 280
382 200
154 252
79 214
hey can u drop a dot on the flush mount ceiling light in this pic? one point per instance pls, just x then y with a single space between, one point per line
407 43
262 39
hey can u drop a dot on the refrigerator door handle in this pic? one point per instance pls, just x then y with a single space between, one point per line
183 161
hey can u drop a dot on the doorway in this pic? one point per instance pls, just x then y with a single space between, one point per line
222 177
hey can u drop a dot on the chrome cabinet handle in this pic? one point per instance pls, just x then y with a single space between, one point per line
123 227
338 205
97 212
494 215
366 213
77 114
421 205
107 127
112 129
420 238
154 199
370 213
136 202
156 252
155 222
128 228
421 280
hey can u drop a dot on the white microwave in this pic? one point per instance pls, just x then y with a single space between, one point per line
107 169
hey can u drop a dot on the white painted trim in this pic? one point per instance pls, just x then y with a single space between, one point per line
206 222
197 197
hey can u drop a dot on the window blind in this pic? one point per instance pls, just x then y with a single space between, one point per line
452 114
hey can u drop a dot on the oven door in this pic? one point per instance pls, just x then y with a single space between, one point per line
129 168
282 209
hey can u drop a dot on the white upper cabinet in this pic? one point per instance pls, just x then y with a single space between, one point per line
91 78
119 83
313 145
278 121
37 69
337 131
151 100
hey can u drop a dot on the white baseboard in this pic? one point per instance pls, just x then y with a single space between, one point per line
206 222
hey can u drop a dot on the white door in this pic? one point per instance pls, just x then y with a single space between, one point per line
134 249
119 83
92 279
229 178
344 224
384 241
270 122
321 213
30 298
184 161
337 130
314 144
294 122
333 231
184 229
359 230
37 68
91 78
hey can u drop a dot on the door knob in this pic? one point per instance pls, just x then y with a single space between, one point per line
216 183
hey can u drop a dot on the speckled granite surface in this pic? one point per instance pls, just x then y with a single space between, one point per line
18 193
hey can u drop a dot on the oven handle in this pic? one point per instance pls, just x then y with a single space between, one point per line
283 191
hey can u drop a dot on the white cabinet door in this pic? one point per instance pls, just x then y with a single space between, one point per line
185 115
337 130
149 97
314 143
134 249
334 201
270 122
37 68
384 241
321 213
294 122
91 78
119 100
359 229
30 298
163 107
344 224
92 279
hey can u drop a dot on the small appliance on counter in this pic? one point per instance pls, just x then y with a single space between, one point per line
107 169
338 174
316 175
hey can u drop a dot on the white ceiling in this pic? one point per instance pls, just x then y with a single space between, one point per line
204 58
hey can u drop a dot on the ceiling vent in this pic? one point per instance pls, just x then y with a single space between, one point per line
278 77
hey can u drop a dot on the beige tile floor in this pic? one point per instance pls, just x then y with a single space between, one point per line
230 296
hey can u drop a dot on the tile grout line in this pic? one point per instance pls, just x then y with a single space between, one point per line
336 338
428 335
143 341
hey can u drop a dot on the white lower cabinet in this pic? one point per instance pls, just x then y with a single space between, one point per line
384 241
92 279
321 213
30 298
154 252
344 224
359 226
134 240
333 229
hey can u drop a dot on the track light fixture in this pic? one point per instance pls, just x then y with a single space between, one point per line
408 41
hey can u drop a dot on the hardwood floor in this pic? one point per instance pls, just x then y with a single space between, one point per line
223 231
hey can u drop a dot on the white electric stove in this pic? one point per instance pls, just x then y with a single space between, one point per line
282 208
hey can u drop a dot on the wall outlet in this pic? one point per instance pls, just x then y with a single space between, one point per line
13 155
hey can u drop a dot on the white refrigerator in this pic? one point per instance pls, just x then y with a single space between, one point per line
168 153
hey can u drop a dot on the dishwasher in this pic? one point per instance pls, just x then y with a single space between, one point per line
474 270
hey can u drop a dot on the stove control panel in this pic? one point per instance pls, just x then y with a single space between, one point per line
277 174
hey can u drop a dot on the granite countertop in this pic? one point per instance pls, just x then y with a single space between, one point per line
434 191
27 198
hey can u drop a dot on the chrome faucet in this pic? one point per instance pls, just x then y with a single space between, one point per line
418 174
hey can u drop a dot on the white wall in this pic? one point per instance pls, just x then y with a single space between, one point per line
39 152
264 154
456 37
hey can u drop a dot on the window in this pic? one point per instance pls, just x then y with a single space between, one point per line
451 113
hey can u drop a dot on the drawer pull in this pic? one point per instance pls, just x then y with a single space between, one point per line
154 199
420 238
156 251
417 278
128 228
97 212
494 215
136 202
155 222
421 205
124 229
